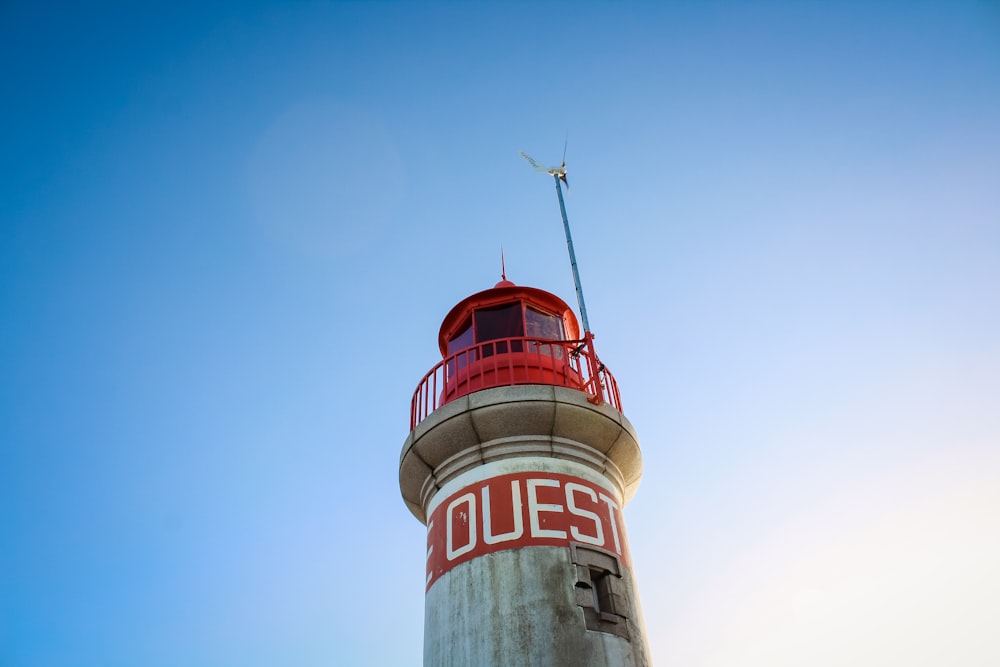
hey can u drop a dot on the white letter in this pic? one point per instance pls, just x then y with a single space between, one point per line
614 522
515 493
534 508
597 539
430 550
470 518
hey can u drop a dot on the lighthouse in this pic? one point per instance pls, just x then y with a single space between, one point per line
520 461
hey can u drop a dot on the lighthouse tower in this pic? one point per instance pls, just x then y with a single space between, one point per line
519 462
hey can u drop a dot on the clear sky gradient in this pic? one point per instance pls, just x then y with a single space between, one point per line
229 233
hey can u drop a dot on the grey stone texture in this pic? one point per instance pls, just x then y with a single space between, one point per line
520 608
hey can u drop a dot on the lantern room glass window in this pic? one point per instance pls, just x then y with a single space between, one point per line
539 324
499 322
486 332
543 325
462 339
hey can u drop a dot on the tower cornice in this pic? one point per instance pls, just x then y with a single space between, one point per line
517 421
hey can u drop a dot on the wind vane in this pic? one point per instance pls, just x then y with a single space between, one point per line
559 174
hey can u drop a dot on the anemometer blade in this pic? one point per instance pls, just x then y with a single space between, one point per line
534 165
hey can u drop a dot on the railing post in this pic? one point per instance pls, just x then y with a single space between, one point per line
595 367
536 355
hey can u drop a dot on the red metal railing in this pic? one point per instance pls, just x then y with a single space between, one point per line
513 361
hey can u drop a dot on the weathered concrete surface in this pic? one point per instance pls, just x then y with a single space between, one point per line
518 608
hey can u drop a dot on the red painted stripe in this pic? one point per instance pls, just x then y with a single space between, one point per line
522 510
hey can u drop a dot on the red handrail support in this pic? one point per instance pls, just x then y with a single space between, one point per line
515 361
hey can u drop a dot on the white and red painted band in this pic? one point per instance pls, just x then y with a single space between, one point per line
522 509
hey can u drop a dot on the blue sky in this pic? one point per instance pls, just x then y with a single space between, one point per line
229 233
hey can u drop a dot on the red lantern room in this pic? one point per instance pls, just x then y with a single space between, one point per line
512 335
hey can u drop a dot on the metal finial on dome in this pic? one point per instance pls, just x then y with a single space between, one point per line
503 273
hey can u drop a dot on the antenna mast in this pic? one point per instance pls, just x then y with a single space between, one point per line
559 174
569 244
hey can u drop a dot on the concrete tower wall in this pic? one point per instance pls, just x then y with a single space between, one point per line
527 563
